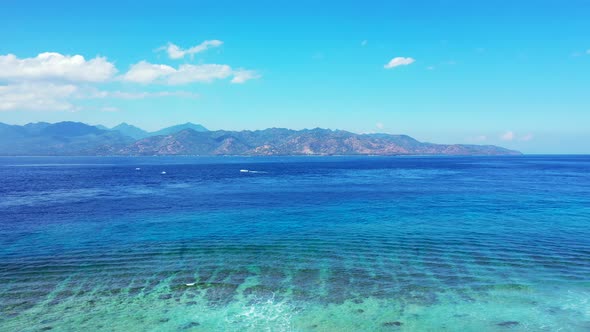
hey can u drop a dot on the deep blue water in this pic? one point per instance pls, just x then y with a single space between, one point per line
303 244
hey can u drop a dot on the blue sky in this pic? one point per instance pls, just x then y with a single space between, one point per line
510 73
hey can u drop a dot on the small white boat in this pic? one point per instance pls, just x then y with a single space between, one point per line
163 172
251 171
137 169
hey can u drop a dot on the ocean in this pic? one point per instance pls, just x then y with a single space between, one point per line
295 243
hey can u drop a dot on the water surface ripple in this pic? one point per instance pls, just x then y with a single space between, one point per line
307 244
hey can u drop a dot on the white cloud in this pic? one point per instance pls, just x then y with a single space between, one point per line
48 65
53 82
242 75
507 136
399 61
136 95
36 97
60 69
199 73
45 96
144 72
511 136
479 138
175 52
430 68
109 109
379 125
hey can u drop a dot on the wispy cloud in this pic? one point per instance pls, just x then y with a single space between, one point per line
37 97
379 125
46 96
175 52
479 138
511 136
399 61
581 53
243 75
145 73
507 136
135 95
56 66
364 42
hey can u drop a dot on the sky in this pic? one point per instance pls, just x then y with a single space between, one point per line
508 73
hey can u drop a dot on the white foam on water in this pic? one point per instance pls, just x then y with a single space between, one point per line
263 315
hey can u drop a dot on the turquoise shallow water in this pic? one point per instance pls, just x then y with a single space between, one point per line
306 244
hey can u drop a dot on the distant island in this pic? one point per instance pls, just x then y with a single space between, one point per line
79 139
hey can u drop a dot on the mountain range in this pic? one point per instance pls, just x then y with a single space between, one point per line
138 133
75 138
